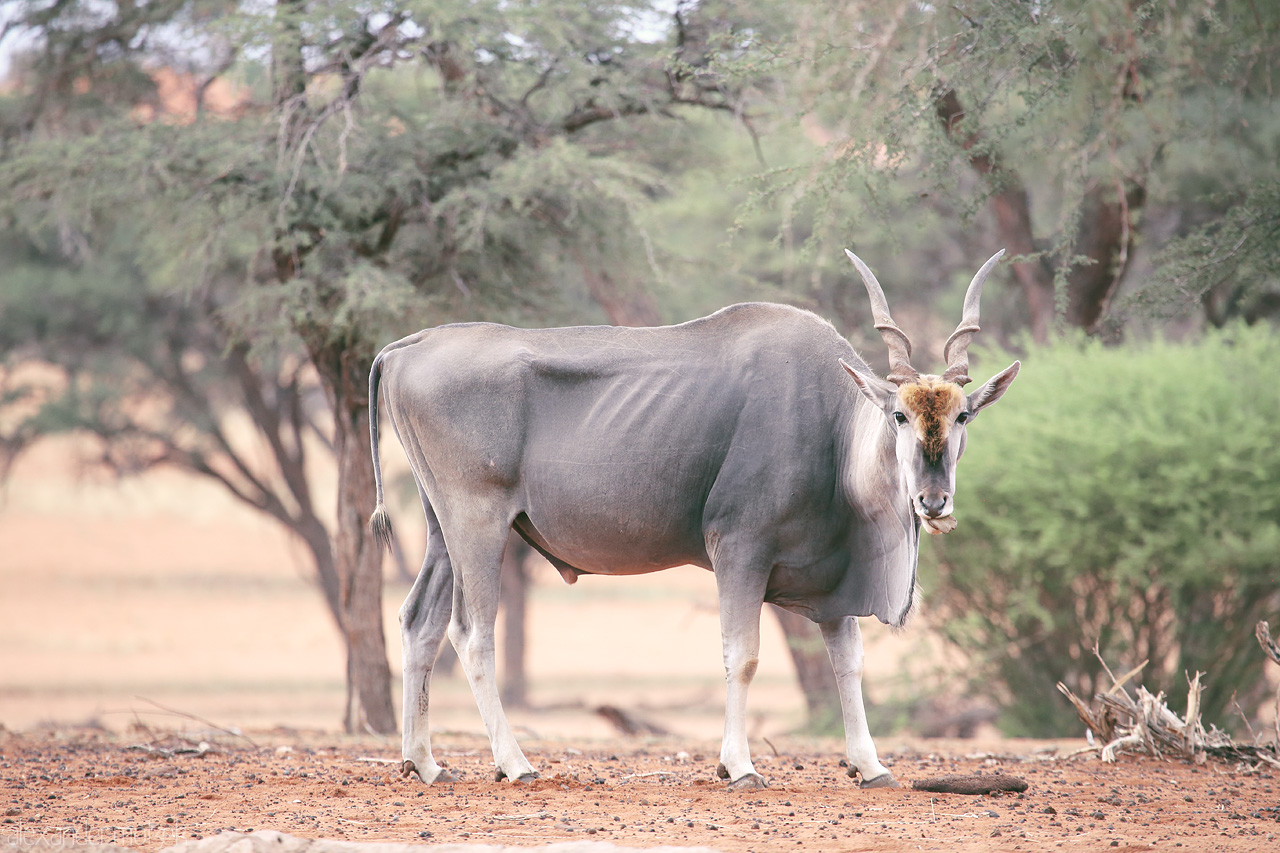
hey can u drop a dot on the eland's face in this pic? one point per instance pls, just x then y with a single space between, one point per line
929 415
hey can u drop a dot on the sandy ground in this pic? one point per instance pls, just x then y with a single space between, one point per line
137 624
136 791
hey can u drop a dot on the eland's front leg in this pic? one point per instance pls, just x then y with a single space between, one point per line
740 636
844 645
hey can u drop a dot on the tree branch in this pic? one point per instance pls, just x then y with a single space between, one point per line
270 425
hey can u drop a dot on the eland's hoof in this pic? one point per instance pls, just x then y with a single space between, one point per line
749 782
884 780
409 770
528 778
523 779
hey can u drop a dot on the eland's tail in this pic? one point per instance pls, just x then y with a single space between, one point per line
380 521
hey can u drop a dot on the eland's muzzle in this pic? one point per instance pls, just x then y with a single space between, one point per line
932 504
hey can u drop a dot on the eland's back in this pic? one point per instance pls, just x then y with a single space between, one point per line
610 444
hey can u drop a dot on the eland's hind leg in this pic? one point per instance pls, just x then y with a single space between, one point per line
477 572
424 619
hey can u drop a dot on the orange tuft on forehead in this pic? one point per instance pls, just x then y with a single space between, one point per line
932 404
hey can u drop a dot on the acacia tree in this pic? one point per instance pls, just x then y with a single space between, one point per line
390 165
152 377
1061 131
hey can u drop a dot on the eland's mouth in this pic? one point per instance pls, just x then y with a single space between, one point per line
941 524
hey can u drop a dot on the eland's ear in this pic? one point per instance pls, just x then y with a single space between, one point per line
993 389
879 392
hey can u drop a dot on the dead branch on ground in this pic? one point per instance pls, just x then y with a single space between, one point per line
628 723
1140 723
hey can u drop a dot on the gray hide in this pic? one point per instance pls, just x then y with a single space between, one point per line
736 442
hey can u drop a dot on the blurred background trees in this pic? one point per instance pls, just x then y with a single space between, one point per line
215 210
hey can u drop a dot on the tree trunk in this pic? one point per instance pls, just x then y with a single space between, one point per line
1105 234
1012 209
813 669
344 372
358 555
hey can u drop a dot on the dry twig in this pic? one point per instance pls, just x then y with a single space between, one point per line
199 751
1263 632
201 720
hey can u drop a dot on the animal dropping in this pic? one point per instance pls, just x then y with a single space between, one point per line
754 443
972 783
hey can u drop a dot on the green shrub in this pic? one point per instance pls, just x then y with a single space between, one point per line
1127 497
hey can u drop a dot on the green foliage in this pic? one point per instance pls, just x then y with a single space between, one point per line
1230 264
393 165
1123 498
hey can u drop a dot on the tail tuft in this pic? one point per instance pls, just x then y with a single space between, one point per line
380 525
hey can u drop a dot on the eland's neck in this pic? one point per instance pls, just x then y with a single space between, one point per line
872 481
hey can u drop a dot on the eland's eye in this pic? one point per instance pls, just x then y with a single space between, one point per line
900 418
962 418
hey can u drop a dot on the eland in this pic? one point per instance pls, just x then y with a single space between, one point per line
754 443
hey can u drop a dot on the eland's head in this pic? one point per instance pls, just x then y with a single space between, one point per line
929 413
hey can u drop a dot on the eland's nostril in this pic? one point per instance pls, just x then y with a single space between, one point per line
932 504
